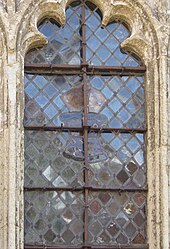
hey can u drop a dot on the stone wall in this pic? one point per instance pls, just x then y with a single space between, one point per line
149 22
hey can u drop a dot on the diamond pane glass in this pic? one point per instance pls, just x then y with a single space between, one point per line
64 43
54 218
117 218
120 162
120 100
53 100
55 161
47 159
104 44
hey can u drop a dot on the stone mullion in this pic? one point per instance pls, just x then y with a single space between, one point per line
153 160
3 146
11 73
164 147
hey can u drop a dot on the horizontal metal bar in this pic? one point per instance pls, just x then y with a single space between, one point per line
118 130
51 66
41 71
53 69
78 69
121 247
90 129
54 128
114 73
43 189
44 246
87 246
120 190
120 69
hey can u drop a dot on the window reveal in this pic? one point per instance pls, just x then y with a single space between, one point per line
85 173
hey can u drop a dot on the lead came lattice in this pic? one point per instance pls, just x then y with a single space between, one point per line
85 116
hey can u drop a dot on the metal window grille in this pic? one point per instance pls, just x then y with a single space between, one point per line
85 169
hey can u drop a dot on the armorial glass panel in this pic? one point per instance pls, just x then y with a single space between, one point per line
85 151
53 100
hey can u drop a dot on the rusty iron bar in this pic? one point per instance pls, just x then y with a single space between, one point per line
121 247
85 123
84 70
32 66
87 246
72 189
46 189
90 129
78 69
118 69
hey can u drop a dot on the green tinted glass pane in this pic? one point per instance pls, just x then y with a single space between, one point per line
47 162
53 218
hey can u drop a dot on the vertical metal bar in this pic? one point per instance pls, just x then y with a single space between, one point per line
85 124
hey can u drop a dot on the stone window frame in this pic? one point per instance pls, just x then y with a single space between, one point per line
149 40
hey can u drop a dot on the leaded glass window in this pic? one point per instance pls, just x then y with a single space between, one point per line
85 167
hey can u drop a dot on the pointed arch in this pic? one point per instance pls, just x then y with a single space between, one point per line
144 41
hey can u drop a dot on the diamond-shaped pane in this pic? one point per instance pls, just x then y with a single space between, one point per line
119 218
64 43
46 163
124 105
124 164
56 159
47 96
105 50
62 216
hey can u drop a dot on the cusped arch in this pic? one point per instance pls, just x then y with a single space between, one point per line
145 43
142 34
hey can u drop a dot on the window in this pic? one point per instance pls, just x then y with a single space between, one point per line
85 171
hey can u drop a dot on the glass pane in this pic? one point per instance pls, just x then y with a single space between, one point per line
104 44
53 218
53 100
117 218
120 161
64 43
118 100
47 159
